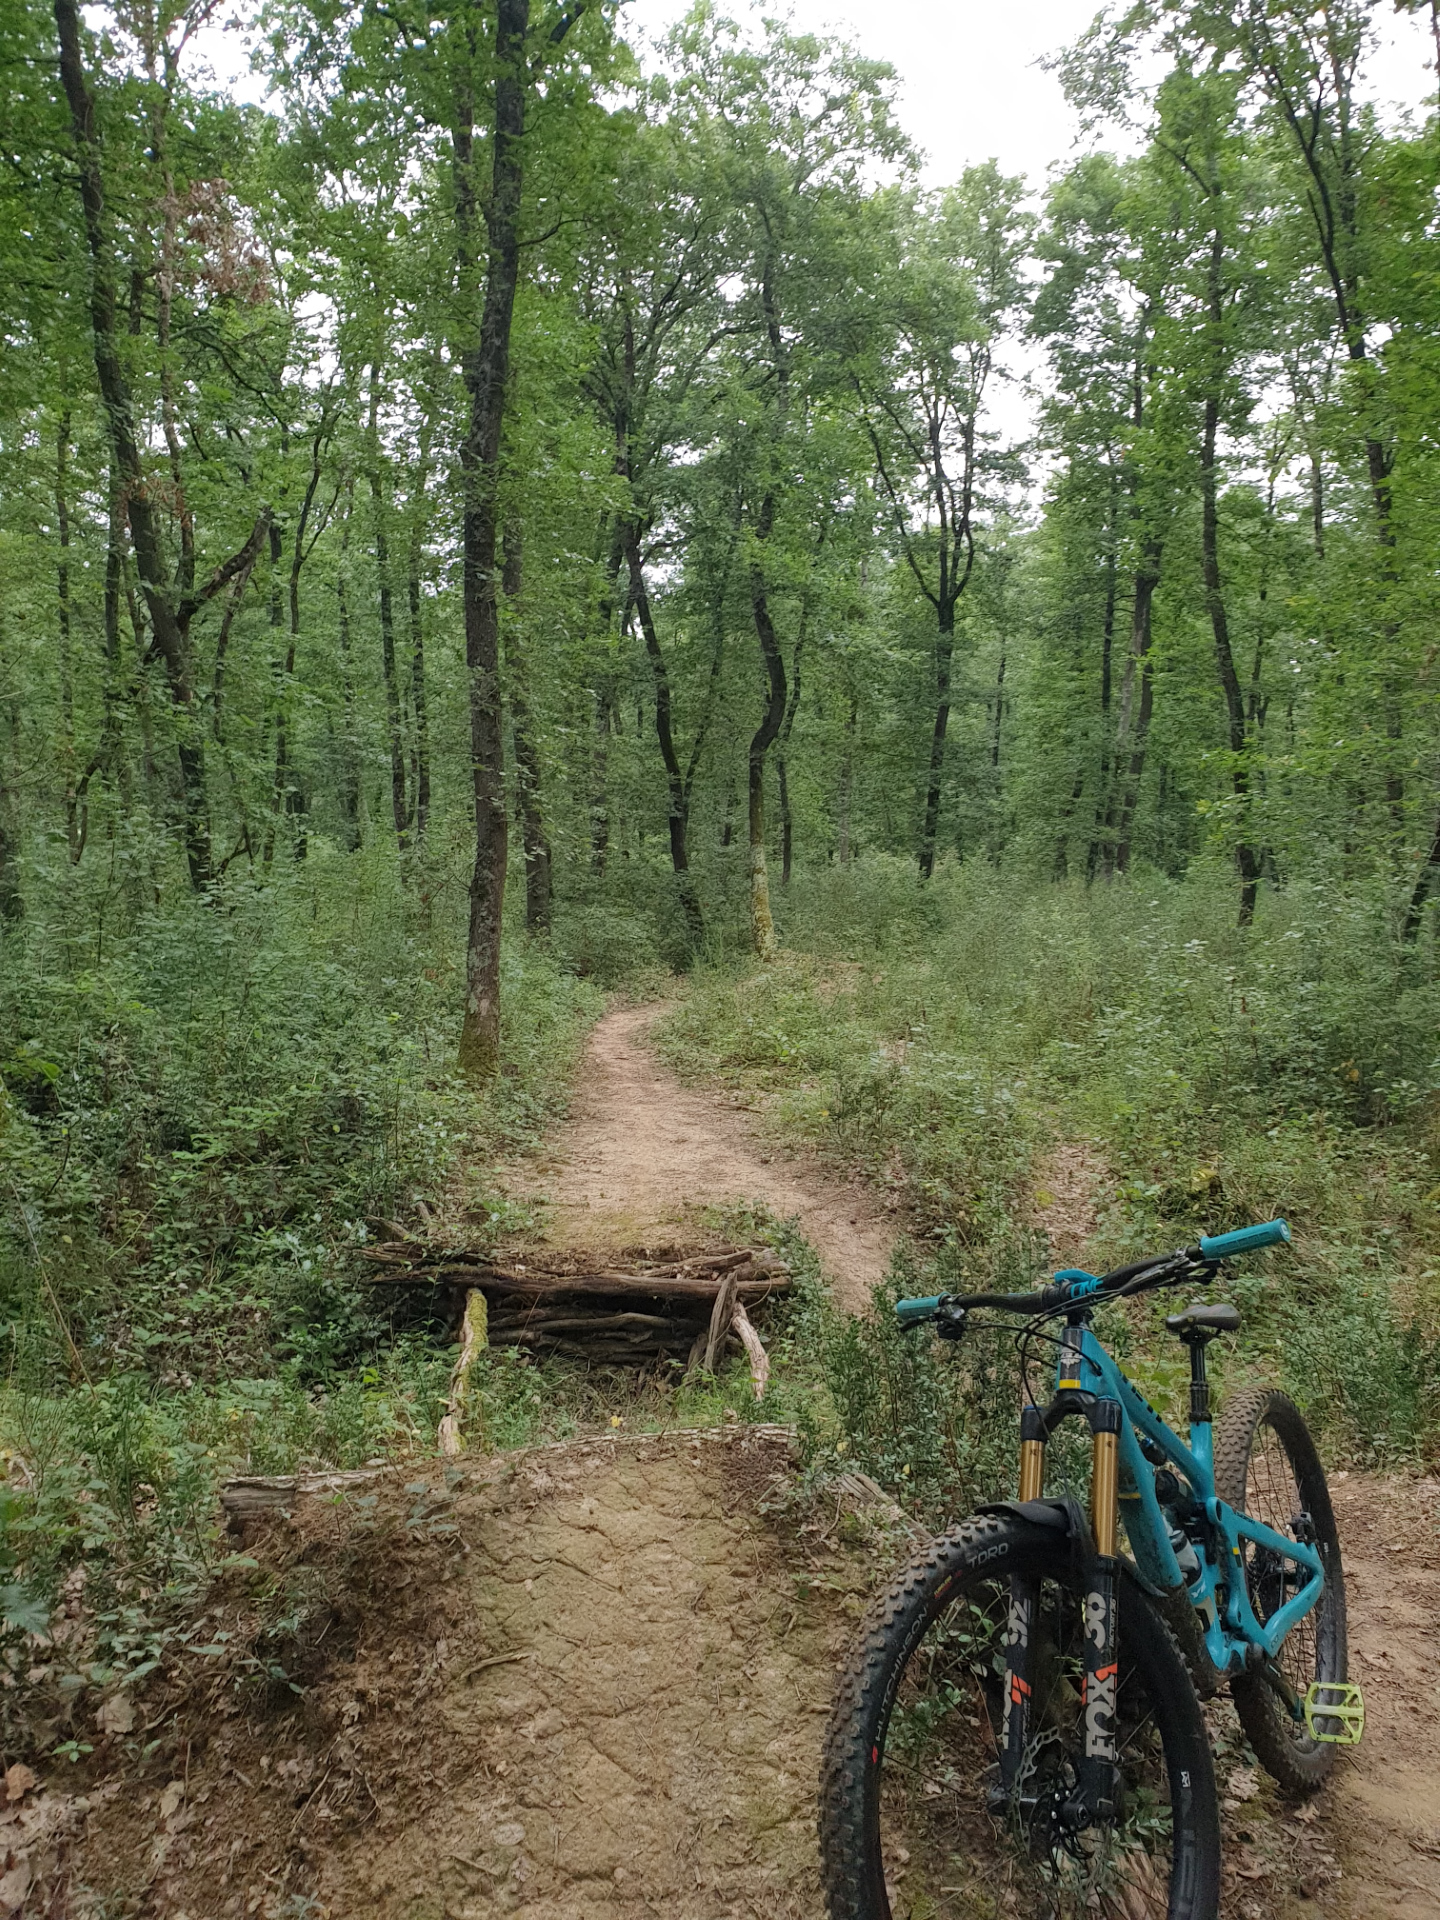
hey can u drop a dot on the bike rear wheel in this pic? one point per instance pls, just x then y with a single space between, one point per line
908 1827
1267 1466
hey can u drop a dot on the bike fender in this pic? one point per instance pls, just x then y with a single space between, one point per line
1066 1516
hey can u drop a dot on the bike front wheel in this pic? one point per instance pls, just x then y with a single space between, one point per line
912 1820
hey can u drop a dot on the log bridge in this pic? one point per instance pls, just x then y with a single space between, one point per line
611 1310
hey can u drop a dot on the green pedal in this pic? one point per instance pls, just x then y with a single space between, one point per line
1342 1705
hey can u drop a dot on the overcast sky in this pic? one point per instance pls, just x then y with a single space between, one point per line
971 86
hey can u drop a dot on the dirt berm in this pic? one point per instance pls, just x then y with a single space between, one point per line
580 1681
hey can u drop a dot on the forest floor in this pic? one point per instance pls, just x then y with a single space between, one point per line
589 1681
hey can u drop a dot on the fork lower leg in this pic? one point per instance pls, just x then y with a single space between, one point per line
1095 1792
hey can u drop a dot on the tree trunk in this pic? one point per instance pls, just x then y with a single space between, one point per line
350 744
418 695
847 774
486 368
792 703
533 837
1245 856
944 655
1133 731
12 897
762 925
399 805
74 833
1415 912
679 810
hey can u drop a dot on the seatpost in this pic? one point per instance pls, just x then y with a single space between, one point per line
1199 1379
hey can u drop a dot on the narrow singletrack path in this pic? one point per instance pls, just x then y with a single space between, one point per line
642 1153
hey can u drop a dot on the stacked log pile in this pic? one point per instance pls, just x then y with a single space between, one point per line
611 1309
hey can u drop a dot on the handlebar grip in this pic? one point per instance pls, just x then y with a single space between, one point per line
911 1312
1224 1246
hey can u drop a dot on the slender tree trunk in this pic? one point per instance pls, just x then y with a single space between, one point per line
847 773
399 805
944 655
75 833
1246 858
762 924
486 369
792 703
533 837
350 743
679 810
12 895
999 709
1133 731
222 656
1061 865
600 780
113 743
418 695
278 694
1424 885
1102 847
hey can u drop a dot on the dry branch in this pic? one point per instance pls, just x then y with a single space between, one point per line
741 1324
473 1338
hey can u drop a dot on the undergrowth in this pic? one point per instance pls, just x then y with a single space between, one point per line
205 1106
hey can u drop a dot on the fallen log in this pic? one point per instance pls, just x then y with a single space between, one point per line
503 1324
756 1273
254 1496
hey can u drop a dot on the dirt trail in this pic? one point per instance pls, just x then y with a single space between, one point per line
1383 1807
642 1152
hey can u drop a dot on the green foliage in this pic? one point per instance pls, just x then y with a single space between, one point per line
1212 1077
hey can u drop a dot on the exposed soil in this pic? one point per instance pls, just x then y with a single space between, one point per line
587 1680
641 1152
1384 1805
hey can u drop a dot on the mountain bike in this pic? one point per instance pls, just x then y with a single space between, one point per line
1019 1727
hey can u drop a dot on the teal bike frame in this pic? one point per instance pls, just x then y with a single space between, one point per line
1228 1636
1131 1448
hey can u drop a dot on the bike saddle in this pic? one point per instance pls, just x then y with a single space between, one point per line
1202 1322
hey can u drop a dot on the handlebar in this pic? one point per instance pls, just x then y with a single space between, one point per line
1073 1286
1224 1246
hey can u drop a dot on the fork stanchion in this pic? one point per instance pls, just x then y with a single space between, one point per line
1032 1453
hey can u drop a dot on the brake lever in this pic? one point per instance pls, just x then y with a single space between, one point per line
949 1322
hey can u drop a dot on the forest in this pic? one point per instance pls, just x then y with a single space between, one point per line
525 515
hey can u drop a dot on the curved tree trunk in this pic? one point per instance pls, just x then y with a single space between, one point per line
679 809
